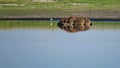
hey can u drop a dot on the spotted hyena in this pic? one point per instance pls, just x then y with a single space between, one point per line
74 24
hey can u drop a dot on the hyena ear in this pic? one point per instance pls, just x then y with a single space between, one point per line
67 17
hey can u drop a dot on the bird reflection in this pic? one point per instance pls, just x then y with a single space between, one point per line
74 24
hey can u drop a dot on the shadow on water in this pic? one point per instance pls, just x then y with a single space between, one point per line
48 25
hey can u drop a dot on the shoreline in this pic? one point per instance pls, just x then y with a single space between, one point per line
57 19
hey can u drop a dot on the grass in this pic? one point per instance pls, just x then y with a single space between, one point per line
12 1
27 8
63 4
33 12
101 2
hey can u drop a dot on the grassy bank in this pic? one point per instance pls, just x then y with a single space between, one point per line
61 8
61 4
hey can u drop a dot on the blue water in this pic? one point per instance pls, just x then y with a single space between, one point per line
46 48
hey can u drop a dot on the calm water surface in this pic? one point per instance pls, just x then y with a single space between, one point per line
48 47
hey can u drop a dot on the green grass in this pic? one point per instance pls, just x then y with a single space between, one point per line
63 4
12 1
101 2
27 8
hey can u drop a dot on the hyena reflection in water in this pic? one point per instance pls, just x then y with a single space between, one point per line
74 24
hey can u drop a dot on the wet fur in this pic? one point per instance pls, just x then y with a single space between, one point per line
74 24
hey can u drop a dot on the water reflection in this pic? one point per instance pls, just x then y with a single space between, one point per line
44 48
106 26
75 28
46 25
5 25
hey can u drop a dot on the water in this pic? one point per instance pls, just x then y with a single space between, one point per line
35 45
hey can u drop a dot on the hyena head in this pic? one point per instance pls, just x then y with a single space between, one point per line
63 22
